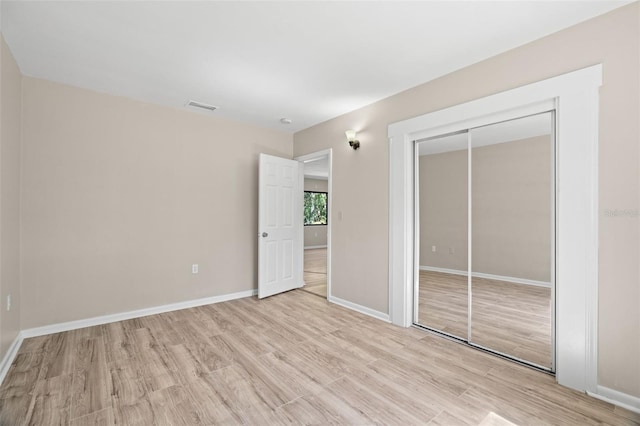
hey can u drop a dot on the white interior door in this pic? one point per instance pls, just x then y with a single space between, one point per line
279 225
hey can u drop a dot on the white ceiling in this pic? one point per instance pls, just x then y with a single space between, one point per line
317 168
506 131
261 61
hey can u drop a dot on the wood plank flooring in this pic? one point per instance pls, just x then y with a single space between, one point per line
315 271
293 358
511 318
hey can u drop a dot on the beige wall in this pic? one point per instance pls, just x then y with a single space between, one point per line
315 235
318 185
10 135
443 193
511 209
360 190
121 197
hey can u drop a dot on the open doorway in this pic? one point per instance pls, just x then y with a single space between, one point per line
316 223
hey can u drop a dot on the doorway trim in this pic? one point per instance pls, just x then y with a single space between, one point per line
575 96
310 157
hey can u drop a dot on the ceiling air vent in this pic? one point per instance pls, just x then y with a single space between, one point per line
201 105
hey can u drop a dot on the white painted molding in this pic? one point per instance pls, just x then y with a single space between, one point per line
624 400
10 356
488 276
314 247
359 308
514 103
574 96
106 319
401 227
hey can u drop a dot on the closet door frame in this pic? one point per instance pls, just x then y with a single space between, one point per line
574 96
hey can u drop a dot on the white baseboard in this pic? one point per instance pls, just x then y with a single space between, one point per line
488 276
624 400
105 319
359 308
443 270
10 356
314 247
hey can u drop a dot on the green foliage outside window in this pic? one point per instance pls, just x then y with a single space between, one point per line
315 208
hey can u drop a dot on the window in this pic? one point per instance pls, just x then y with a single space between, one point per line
315 208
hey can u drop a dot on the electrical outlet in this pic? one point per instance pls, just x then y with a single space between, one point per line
433 249
452 250
194 268
8 302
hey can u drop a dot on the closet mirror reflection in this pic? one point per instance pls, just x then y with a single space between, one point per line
442 182
485 221
512 233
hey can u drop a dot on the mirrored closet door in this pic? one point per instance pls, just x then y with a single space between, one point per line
486 237
442 180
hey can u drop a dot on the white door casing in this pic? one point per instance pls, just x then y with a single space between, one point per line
279 225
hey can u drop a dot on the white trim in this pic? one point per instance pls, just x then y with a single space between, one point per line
488 276
313 156
443 270
359 308
624 400
106 319
401 227
10 356
554 231
575 96
314 247
469 236
416 230
591 239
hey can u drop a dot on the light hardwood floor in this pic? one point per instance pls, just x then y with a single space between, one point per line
293 358
511 318
315 271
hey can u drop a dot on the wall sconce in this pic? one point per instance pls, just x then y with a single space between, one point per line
351 138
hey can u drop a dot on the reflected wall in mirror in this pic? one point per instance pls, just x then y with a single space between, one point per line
499 179
512 236
443 223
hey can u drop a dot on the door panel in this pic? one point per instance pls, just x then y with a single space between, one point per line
442 284
485 230
279 225
512 236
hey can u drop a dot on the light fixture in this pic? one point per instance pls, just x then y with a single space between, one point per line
351 138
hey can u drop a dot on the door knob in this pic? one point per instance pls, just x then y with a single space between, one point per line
265 235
